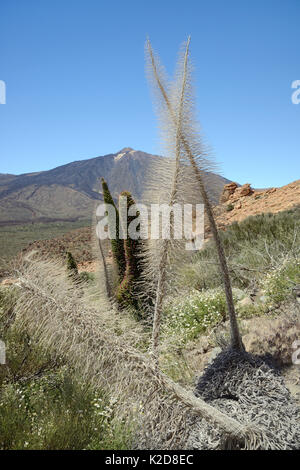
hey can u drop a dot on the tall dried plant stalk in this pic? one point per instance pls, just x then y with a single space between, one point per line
193 149
161 287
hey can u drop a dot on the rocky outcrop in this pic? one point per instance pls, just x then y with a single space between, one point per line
232 192
228 190
244 190
245 201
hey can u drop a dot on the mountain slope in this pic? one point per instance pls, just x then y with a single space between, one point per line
244 204
6 178
69 192
256 201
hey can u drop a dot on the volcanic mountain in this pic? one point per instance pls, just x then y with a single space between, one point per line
69 192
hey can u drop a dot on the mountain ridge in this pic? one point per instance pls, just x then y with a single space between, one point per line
69 191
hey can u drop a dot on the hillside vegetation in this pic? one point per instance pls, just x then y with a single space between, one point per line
44 403
263 255
254 247
15 238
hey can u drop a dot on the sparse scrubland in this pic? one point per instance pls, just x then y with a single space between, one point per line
254 247
14 238
46 401
263 255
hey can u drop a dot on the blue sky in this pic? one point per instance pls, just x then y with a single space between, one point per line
76 86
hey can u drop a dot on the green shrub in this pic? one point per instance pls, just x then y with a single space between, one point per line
71 264
56 411
8 299
196 313
252 247
279 282
85 276
251 310
229 207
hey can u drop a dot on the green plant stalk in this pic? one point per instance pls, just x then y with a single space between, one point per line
125 292
117 245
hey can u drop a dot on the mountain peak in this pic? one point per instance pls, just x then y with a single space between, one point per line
125 150
69 192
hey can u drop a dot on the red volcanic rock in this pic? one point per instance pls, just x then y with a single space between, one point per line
228 190
244 190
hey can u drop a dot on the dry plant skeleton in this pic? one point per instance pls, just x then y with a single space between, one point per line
57 316
188 149
106 350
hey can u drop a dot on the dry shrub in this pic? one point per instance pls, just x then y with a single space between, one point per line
105 347
247 388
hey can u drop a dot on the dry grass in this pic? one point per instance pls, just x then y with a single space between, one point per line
106 349
109 350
